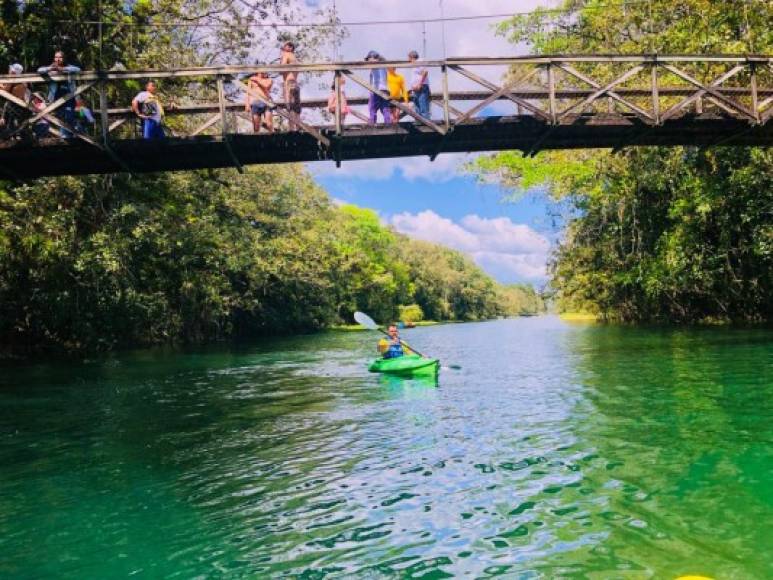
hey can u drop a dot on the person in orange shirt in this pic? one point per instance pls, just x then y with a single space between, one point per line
397 90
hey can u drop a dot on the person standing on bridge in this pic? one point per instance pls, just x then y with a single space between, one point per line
147 107
420 93
292 91
60 89
378 80
258 108
11 116
333 99
397 91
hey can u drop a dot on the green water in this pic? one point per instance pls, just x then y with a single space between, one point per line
556 451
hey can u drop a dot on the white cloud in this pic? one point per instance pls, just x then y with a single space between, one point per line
444 168
508 251
503 235
429 226
462 37
513 267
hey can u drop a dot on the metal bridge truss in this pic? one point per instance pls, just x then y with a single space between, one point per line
554 102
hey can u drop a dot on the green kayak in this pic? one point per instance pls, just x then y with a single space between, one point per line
411 364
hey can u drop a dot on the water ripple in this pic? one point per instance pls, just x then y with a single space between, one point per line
555 451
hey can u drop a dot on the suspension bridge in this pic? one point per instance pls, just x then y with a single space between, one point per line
520 103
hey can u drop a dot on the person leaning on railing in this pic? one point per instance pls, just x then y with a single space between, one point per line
397 90
257 101
11 115
332 100
378 80
59 89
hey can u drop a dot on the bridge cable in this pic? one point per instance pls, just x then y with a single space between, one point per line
546 13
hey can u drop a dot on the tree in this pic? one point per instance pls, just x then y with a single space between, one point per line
159 34
672 234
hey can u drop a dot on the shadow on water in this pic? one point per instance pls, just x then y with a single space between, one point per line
556 451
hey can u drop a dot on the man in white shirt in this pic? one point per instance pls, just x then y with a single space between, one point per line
147 107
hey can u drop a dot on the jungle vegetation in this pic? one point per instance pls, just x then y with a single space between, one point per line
102 262
680 234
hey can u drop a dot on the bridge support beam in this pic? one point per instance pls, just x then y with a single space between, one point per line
224 125
105 123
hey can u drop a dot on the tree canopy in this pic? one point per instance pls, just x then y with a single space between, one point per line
677 234
110 261
157 34
100 262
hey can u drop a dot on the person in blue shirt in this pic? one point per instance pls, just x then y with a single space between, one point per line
378 80
392 347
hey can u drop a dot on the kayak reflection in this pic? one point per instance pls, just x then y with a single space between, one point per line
403 381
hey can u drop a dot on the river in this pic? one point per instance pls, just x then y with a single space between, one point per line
556 450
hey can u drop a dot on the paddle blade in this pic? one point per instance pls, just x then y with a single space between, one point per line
365 320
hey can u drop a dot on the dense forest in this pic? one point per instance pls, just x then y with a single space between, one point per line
679 234
111 261
102 262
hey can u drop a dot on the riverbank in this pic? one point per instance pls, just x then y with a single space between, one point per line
194 257
422 323
578 317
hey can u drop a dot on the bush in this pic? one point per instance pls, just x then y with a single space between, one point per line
411 313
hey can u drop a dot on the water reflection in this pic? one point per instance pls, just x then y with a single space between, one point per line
554 451
681 432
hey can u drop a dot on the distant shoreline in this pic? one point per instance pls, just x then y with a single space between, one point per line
357 327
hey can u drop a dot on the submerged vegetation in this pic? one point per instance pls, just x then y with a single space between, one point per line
111 261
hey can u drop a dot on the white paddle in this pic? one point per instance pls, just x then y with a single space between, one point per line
368 322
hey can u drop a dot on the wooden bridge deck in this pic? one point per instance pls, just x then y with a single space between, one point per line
559 102
365 142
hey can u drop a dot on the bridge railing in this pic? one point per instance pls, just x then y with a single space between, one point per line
554 90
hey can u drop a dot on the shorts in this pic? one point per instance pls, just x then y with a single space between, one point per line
258 108
293 97
152 129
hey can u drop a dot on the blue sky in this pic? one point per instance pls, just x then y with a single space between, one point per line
454 199
438 201
442 203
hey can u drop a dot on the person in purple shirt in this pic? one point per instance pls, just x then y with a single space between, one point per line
378 80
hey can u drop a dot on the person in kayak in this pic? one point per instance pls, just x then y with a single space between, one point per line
392 347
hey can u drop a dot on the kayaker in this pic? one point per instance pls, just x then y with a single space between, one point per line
392 347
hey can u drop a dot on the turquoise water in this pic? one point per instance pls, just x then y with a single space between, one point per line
556 451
